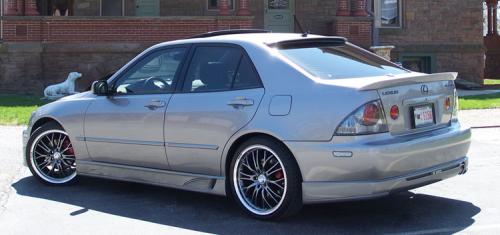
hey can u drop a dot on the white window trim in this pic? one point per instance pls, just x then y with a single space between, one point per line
123 8
231 9
378 15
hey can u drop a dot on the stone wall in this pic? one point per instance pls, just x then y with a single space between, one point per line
30 67
449 30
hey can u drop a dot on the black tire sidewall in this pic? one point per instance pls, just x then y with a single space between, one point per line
45 127
293 198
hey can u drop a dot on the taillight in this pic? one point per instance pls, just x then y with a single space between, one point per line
367 119
454 113
447 103
394 112
371 114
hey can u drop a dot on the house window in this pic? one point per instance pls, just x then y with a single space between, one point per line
112 7
389 13
55 7
214 4
418 63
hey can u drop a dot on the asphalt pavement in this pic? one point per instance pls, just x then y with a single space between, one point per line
464 204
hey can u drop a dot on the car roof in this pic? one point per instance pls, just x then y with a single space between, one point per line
252 38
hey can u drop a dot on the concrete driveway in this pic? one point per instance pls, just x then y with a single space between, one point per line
465 204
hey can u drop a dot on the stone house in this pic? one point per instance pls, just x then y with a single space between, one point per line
43 40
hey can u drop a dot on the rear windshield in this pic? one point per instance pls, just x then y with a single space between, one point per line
338 62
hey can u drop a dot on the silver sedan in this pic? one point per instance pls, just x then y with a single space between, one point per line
272 120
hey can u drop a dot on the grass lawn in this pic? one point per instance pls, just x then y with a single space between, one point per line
480 102
16 109
491 81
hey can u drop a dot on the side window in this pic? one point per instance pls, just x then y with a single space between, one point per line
212 69
246 77
154 74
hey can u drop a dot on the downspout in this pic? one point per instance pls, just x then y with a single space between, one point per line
1 21
375 29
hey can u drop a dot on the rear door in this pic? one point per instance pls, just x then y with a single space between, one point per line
220 94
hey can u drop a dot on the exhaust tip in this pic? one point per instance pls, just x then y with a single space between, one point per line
463 168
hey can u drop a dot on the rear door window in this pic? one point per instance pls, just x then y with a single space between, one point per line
246 76
220 68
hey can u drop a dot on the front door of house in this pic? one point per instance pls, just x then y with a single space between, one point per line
278 15
147 7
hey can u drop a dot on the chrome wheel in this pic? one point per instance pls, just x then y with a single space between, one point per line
52 157
260 180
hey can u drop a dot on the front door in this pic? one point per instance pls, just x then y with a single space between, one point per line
127 127
220 95
279 15
147 8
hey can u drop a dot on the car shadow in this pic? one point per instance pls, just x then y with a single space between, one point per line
400 213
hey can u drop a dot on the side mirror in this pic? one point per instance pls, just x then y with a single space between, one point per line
100 88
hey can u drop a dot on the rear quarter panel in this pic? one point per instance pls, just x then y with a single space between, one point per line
316 109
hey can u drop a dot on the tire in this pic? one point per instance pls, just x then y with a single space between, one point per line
50 155
263 190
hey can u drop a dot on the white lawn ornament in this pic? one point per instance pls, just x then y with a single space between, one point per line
65 88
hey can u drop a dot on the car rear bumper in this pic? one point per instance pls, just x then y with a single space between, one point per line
321 192
376 165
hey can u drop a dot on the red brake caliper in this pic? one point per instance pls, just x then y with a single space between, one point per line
70 150
278 175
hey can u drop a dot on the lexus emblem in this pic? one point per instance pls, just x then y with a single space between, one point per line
424 89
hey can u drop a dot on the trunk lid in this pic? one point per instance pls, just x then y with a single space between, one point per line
415 95
424 102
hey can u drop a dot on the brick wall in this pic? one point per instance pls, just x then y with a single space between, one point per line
29 67
91 29
449 30
316 16
39 51
357 30
492 44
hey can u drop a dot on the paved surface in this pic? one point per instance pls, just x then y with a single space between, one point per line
464 204
480 118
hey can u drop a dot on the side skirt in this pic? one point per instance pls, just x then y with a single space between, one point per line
186 181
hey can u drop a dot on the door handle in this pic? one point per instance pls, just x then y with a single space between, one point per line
155 104
240 102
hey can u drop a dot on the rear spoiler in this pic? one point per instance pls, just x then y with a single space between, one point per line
308 42
389 81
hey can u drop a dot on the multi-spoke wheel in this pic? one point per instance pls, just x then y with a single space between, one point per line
50 155
265 179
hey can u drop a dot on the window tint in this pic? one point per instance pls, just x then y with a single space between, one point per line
246 77
153 74
212 69
337 62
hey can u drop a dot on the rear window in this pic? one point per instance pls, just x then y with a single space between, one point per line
339 62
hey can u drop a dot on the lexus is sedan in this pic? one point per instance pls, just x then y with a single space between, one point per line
272 120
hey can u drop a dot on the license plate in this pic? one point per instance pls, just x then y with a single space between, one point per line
423 115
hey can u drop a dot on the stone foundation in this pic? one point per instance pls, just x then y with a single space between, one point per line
30 67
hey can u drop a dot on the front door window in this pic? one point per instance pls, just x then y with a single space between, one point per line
153 75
